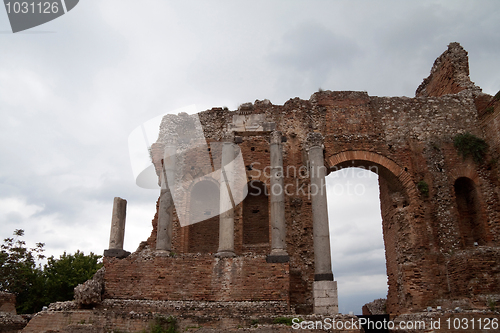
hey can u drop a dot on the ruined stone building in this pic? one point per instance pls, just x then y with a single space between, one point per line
211 244
440 209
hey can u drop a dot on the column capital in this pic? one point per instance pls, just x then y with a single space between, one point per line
227 137
314 140
275 137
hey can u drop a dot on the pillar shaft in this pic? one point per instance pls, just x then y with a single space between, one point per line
117 233
226 217
165 215
321 233
277 192
166 206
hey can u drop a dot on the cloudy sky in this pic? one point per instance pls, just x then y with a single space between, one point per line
72 90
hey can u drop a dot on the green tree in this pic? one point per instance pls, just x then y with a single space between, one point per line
35 286
64 274
19 273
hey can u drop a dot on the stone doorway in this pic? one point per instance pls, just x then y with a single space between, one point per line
395 197
356 225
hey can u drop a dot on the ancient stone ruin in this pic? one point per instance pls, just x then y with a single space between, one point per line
242 221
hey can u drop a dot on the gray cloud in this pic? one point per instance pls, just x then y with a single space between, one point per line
69 99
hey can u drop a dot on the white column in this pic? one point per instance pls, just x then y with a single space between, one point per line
226 217
324 287
277 193
117 233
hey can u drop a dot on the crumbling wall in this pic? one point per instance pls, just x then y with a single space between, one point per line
7 302
449 74
407 142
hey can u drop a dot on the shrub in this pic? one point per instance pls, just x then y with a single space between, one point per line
423 188
468 144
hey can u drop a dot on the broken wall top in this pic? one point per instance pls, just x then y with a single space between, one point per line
449 74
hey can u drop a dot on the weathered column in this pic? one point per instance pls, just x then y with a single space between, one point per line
277 193
226 217
117 233
324 288
166 208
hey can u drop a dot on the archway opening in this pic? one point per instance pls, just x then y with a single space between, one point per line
356 236
203 237
469 222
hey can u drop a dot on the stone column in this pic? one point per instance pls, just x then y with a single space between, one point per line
277 193
226 217
166 208
117 233
324 288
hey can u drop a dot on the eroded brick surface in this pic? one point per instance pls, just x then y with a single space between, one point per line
430 254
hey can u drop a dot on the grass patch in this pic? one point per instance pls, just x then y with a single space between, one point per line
492 304
284 320
489 109
468 144
163 324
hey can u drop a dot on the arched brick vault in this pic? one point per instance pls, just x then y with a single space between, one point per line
187 233
356 156
397 193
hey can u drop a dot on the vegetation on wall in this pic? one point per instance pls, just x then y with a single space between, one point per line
497 96
468 144
423 188
163 324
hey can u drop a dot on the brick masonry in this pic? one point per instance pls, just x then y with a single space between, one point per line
405 141
199 277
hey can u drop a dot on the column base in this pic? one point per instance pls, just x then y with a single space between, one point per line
323 277
162 253
117 253
325 297
225 254
278 256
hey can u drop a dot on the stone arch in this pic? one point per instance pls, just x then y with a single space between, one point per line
468 171
397 193
355 157
256 214
203 197
261 177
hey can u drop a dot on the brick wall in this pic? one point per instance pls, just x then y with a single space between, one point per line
408 140
196 277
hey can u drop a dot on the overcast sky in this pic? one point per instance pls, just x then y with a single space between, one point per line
73 89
